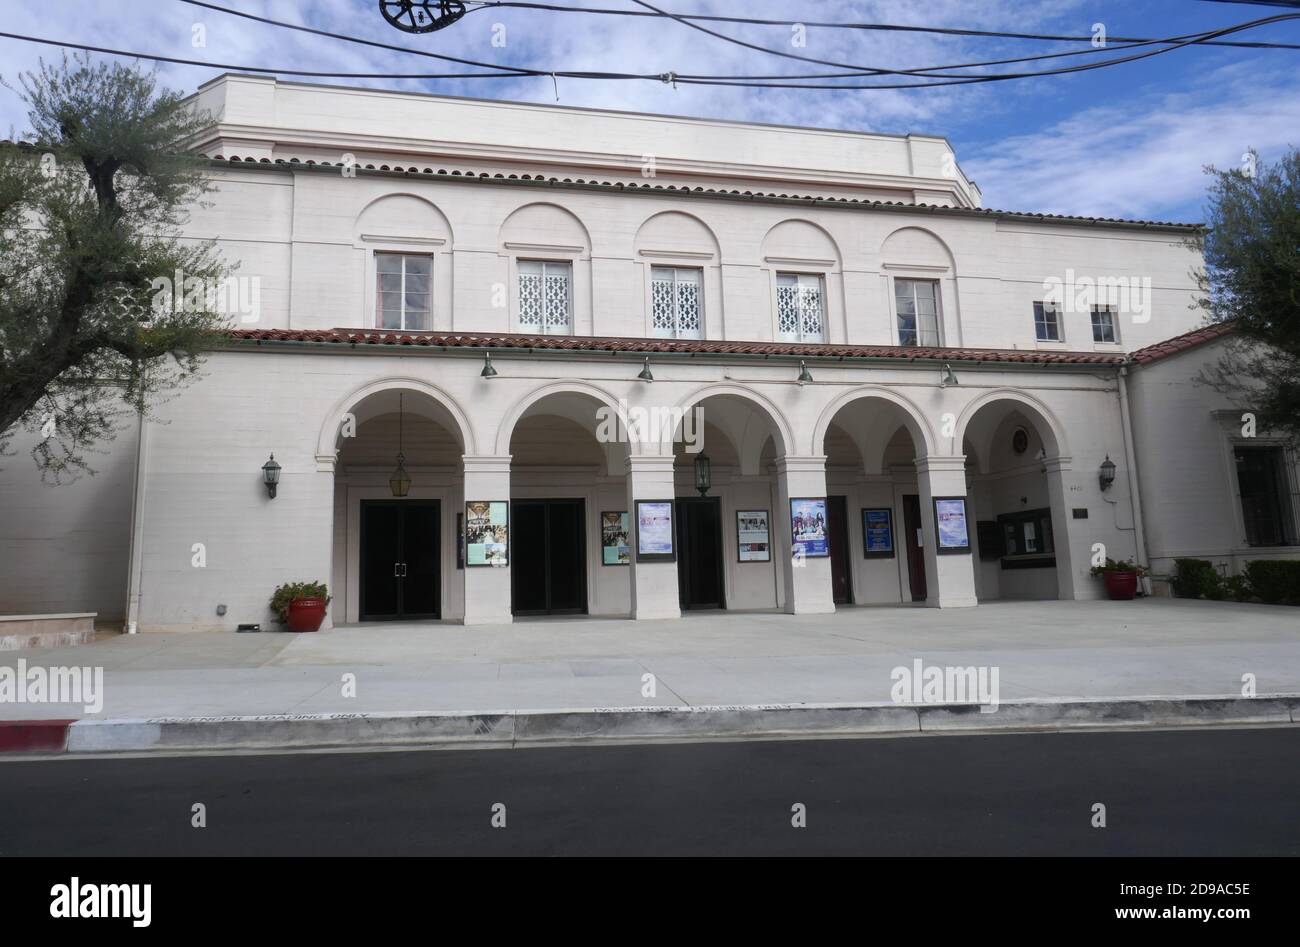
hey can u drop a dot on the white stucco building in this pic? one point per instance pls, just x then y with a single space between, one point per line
854 327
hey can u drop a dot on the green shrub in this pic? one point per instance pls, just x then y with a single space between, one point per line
1275 581
291 590
1195 578
1237 588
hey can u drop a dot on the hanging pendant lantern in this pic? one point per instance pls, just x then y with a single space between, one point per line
399 481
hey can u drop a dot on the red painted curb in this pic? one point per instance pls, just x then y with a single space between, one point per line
34 736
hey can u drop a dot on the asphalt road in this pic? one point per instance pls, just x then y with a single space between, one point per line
1206 792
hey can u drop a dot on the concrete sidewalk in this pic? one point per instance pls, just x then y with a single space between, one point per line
1046 652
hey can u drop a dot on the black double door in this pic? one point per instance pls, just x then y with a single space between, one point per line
699 558
401 550
548 569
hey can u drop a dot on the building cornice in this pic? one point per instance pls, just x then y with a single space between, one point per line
227 137
660 190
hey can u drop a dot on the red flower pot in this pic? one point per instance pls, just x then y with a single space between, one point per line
306 614
1121 586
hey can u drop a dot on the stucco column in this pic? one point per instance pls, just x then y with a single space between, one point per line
653 584
487 588
950 577
807 580
1066 530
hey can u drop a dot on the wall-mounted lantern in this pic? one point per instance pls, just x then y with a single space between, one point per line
645 374
271 476
805 376
488 370
1106 476
703 473
946 377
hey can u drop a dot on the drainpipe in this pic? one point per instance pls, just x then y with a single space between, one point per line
135 566
1134 489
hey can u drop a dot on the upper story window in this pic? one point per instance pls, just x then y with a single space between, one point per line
676 301
800 308
545 297
1047 322
917 301
404 282
1105 328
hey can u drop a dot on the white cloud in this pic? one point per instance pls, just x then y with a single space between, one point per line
1139 158
1144 157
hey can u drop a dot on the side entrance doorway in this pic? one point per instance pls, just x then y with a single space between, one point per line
548 571
837 540
699 560
401 575
912 543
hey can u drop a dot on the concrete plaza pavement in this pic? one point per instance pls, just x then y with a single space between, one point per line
1044 651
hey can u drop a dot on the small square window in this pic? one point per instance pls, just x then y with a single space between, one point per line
1047 322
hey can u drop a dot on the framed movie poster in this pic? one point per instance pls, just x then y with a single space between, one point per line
950 524
753 537
615 545
808 527
878 533
487 533
654 531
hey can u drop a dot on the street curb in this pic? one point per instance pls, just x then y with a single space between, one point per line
508 728
34 736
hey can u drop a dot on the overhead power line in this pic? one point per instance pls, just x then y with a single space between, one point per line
880 27
1173 44
742 81
945 70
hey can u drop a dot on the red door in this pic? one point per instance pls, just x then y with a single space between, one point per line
912 542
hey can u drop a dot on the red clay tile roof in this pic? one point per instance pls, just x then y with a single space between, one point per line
1181 343
596 344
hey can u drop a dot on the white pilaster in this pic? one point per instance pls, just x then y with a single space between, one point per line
950 576
808 580
487 588
653 584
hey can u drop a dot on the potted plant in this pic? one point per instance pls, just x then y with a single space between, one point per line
1120 578
300 605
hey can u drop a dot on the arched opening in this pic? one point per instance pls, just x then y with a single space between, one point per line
569 523
394 535
871 445
725 448
1010 449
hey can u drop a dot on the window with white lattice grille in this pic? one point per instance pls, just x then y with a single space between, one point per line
545 297
676 303
403 289
800 308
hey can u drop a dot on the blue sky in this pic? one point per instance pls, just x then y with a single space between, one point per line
1128 141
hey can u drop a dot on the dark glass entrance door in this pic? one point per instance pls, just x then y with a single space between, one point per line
837 536
912 542
548 574
699 560
401 570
